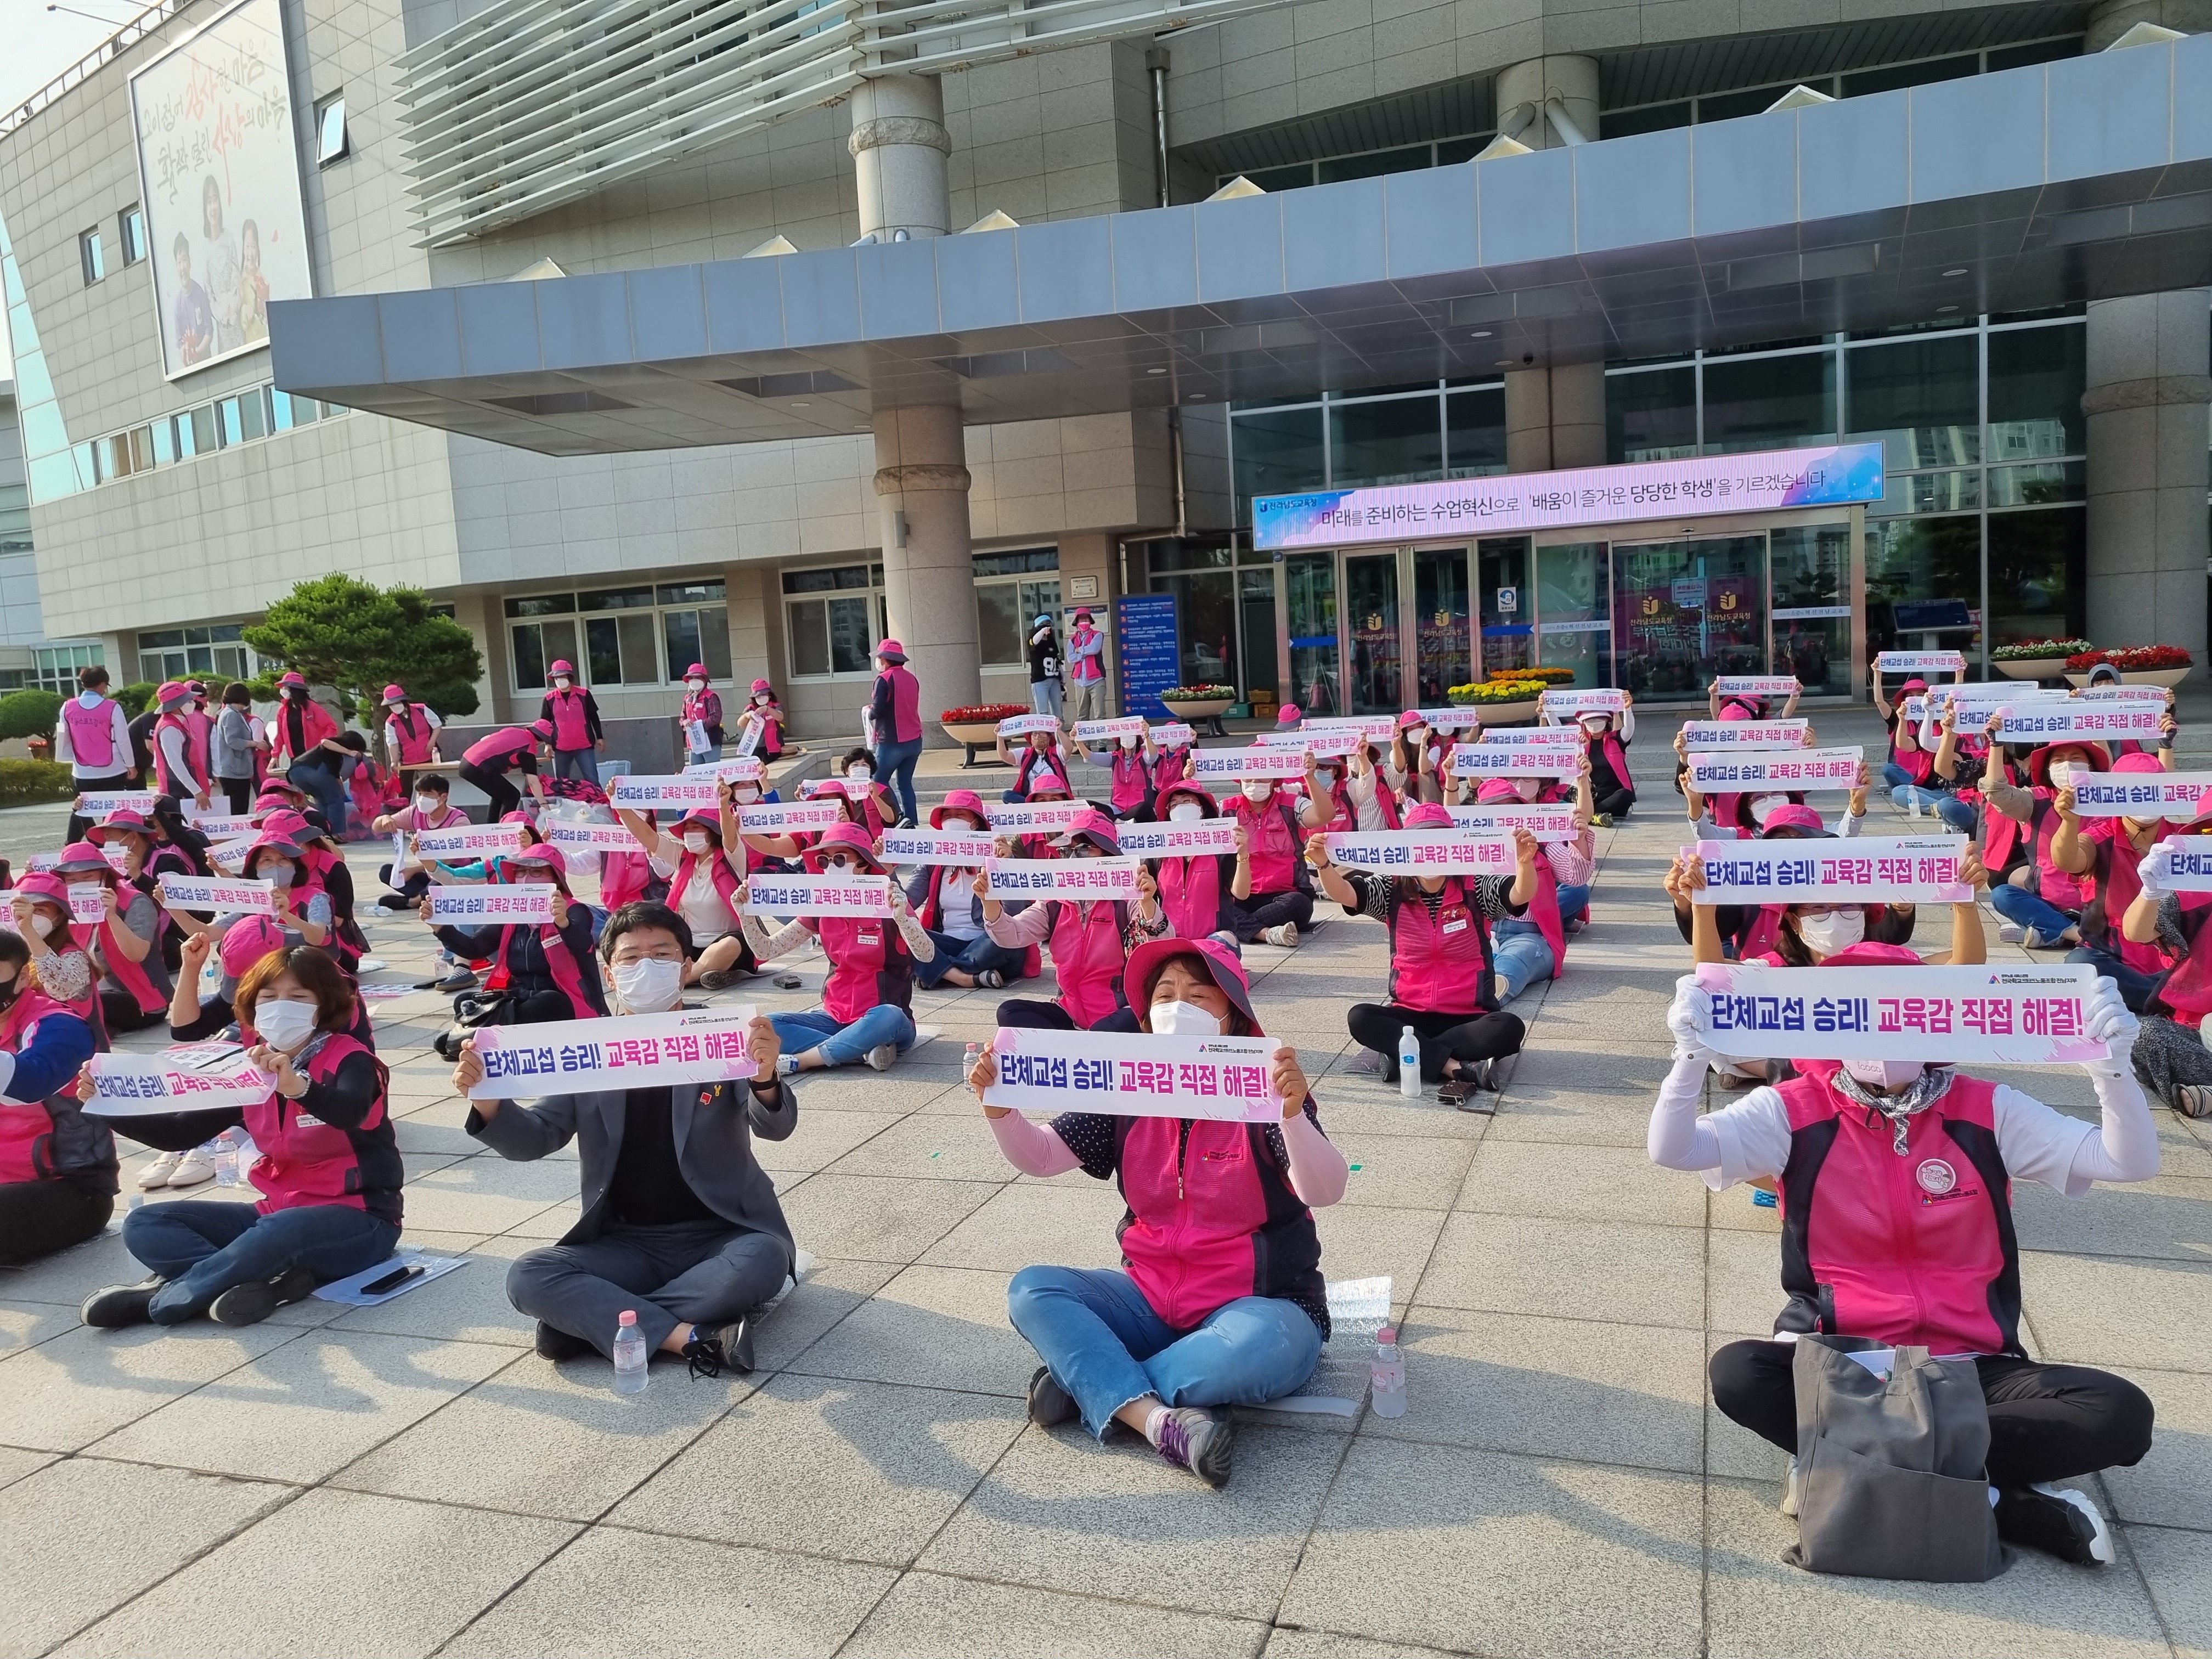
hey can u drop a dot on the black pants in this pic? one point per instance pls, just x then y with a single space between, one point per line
240 790
2047 1422
414 887
38 1218
503 796
120 1010
1035 1014
1615 803
1249 918
1464 1037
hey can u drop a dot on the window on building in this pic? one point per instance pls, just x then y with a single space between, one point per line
331 141
1651 415
1012 590
833 617
213 652
629 636
1768 403
53 667
15 519
1921 397
1474 433
91 256
131 234
1388 442
1277 452
2037 376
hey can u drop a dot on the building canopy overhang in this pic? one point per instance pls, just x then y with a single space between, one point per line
2086 179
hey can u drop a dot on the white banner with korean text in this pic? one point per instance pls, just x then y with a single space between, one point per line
1868 870
2029 1015
628 1051
1132 1074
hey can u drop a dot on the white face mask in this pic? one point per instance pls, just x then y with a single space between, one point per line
1128 740
1762 806
1258 789
1185 812
88 699
43 926
745 794
696 841
1594 728
1528 788
861 774
426 804
1885 1073
700 685
837 866
1838 929
562 682
1183 1019
284 1024
760 697
2062 773
649 986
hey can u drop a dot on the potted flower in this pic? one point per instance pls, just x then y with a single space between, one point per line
975 726
1553 675
1503 703
2139 665
1203 701
2037 659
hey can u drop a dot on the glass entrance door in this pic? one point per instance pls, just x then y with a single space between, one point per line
1685 611
1509 605
1574 615
1376 655
1811 567
1443 623
1309 604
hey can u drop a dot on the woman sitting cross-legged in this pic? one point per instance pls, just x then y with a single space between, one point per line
1219 1300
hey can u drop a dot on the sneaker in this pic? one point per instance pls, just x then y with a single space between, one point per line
2193 1100
119 1305
2057 1521
157 1173
991 980
1287 935
882 1056
1050 1405
1602 820
255 1300
461 979
557 1345
787 1065
395 901
720 979
787 982
192 1168
720 1348
1198 1441
2010 933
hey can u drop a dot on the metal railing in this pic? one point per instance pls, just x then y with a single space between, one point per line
531 104
97 58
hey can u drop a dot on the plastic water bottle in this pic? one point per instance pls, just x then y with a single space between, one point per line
631 1355
1409 1062
973 1053
225 1160
1387 1375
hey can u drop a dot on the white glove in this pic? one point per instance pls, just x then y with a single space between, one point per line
1689 1018
2106 1017
2149 873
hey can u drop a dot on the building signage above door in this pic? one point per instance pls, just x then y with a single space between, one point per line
1832 475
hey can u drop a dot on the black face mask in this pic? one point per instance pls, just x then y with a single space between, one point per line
9 989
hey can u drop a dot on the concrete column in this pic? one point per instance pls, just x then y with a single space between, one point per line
899 148
751 588
2108 22
2147 402
1554 414
929 583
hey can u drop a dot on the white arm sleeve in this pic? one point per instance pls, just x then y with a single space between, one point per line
2040 1144
1745 1138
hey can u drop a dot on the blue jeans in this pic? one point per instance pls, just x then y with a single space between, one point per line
328 793
203 1249
1574 902
2135 986
895 766
970 957
577 763
841 1044
1521 952
1044 696
1103 1344
1949 808
2028 910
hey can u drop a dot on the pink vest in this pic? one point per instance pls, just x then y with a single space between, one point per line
1273 844
1913 1250
1440 965
130 975
2116 887
572 727
1132 779
623 877
1190 889
91 732
26 1130
409 731
869 965
1918 762
1087 957
1034 761
315 724
1169 766
906 704
559 959
173 721
718 872
303 1159
513 741
1198 1211
199 733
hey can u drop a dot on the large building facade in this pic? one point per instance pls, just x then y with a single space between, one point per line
624 392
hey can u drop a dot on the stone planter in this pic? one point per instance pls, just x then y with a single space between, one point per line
1201 714
2031 668
2168 678
1505 713
972 736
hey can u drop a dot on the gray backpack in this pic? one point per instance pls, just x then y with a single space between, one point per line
1890 1481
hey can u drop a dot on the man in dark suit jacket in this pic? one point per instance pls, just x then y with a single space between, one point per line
680 1223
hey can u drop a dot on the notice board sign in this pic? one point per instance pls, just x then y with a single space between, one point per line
1150 648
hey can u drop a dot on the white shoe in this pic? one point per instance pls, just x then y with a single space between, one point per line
195 1167
882 1056
157 1173
1790 1491
2011 933
1285 935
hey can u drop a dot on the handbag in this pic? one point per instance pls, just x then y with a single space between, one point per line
1891 1456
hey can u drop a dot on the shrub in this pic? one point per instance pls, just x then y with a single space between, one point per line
983 713
135 698
29 712
34 782
1495 691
